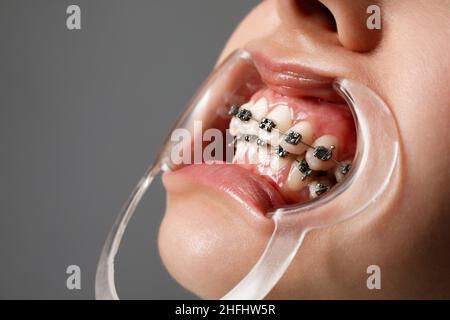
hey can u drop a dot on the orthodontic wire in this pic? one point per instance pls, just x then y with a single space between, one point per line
234 110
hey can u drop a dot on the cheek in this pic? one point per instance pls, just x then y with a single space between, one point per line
413 72
206 245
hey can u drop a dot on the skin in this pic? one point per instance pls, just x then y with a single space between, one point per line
406 63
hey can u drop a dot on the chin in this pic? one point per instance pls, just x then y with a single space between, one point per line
204 242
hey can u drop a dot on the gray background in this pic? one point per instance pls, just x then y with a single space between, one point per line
82 114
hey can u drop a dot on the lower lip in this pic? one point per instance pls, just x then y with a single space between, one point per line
251 190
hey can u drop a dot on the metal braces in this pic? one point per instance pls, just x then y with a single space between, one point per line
304 169
294 138
321 188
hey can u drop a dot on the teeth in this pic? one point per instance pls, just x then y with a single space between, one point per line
235 127
264 155
338 170
319 187
252 153
241 152
239 127
305 129
326 141
259 109
277 163
272 151
296 179
281 115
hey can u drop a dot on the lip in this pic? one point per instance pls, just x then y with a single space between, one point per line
294 79
256 193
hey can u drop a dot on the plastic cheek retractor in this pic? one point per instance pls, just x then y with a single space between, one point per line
232 84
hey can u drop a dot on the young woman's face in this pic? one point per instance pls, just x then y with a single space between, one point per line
209 240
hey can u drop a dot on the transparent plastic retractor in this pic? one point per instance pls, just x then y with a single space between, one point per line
232 83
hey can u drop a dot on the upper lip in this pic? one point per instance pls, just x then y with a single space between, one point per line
294 79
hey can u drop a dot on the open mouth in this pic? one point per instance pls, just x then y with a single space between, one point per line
304 146
288 147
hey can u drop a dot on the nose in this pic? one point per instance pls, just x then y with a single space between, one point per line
351 24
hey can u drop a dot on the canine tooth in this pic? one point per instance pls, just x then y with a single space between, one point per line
282 116
303 128
340 169
296 181
259 109
282 119
327 141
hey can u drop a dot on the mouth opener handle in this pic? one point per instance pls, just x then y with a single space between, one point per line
376 131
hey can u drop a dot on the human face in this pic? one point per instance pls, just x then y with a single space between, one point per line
209 240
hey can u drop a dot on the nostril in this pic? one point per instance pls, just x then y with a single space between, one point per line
315 9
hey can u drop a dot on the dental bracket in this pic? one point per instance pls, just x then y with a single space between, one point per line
323 153
321 188
260 142
244 115
304 169
293 138
281 152
248 138
267 124
234 110
345 168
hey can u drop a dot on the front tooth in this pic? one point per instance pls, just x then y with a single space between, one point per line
251 127
264 156
277 163
281 115
238 127
296 179
252 153
338 171
305 129
235 127
319 187
326 141
241 152
259 109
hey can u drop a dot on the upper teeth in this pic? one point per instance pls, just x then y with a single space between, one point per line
281 115
305 130
260 108
274 127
